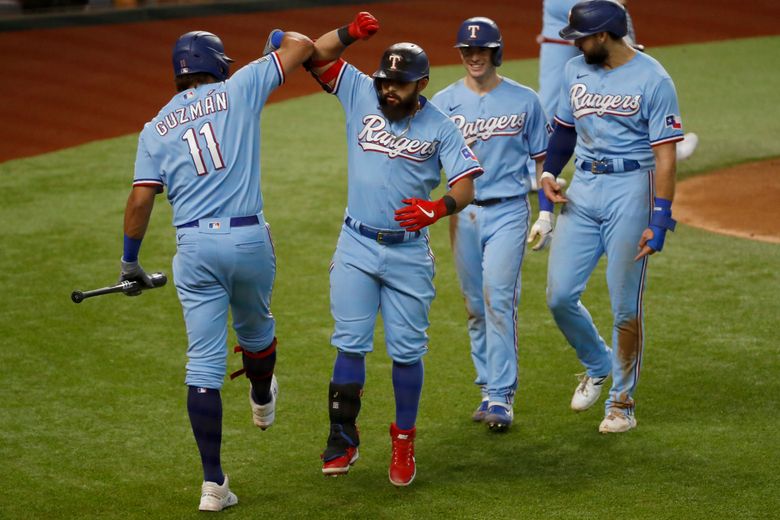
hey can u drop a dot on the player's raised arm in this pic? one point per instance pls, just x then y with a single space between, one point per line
325 61
292 48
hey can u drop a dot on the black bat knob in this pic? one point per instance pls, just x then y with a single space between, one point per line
158 279
77 296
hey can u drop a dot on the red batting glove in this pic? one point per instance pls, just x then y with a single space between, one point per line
420 213
364 26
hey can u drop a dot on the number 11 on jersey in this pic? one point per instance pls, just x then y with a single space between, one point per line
211 143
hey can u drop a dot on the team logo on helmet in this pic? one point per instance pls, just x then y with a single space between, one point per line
473 30
394 59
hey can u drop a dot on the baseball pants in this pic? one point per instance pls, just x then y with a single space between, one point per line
552 59
488 244
367 277
217 268
606 214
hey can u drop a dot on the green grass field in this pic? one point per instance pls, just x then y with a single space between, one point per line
92 401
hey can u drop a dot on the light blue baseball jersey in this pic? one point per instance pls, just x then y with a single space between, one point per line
555 16
503 127
204 145
391 161
622 112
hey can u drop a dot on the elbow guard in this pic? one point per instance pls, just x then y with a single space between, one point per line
328 75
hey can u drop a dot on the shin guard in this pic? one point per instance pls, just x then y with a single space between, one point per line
343 409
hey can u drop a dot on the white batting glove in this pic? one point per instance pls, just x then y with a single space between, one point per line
542 229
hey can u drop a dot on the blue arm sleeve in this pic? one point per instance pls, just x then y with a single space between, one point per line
131 248
560 149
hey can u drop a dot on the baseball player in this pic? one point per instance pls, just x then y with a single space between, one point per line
504 124
396 144
618 114
554 52
204 146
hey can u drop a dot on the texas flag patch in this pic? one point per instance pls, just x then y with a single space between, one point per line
673 121
467 153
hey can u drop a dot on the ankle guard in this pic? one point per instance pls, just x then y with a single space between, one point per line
341 437
343 409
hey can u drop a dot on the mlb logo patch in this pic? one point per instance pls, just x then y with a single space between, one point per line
467 153
189 95
673 121
214 225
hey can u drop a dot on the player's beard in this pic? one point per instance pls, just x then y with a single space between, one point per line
597 56
400 110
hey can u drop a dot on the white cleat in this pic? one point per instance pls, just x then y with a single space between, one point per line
214 497
587 392
687 146
263 415
616 422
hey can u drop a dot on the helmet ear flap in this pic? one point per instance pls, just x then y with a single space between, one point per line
497 56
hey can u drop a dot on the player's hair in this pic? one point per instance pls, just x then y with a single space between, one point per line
185 81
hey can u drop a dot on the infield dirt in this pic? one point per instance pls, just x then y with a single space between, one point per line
79 84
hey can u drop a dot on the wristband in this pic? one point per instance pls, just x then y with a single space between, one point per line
545 204
276 38
344 36
548 175
449 202
661 216
131 248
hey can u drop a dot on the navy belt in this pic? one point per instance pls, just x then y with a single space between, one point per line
492 202
608 166
383 236
234 222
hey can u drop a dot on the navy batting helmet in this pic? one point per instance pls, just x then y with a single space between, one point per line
595 16
481 32
403 62
200 51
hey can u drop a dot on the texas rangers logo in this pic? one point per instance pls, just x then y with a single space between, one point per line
394 59
673 121
584 103
374 138
484 129
473 30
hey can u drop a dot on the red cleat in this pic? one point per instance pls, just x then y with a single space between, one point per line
340 465
402 465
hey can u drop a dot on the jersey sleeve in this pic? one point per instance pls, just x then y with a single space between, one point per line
538 130
256 80
147 173
456 157
563 113
664 121
350 82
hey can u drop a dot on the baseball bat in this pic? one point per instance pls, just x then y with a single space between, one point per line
158 280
